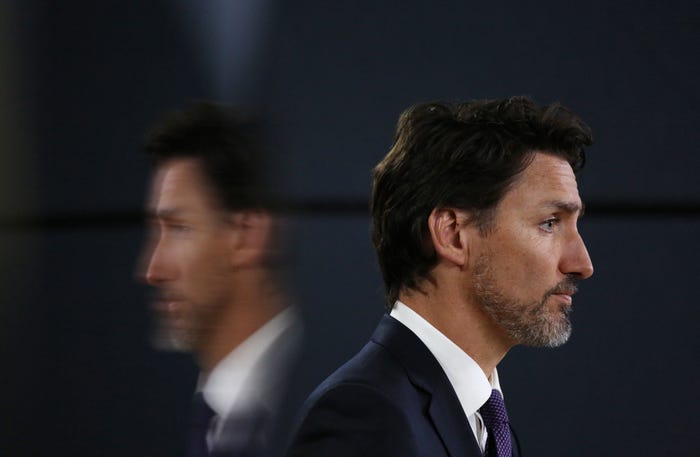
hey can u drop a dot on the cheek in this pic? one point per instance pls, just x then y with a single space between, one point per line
205 263
523 265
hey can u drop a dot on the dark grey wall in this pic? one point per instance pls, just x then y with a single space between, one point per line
91 77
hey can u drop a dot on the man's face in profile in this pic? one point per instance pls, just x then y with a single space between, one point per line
187 259
527 267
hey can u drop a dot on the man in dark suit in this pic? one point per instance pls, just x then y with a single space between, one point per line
474 213
214 260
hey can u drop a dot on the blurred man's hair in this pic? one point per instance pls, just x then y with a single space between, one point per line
228 145
464 156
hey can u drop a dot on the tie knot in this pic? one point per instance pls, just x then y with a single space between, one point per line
493 412
202 413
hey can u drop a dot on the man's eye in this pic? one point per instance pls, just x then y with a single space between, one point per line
179 228
549 224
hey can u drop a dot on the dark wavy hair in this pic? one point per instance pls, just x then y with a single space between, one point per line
465 156
228 145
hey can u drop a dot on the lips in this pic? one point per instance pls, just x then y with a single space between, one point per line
564 290
162 305
564 296
167 305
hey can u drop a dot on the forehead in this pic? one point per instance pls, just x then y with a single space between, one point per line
181 184
545 180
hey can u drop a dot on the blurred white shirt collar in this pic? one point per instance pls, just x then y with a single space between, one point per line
240 379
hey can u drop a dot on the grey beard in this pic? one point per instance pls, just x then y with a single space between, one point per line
530 324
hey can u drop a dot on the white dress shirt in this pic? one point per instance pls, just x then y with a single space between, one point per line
468 380
243 379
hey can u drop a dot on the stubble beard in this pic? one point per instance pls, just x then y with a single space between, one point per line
185 331
531 324
167 336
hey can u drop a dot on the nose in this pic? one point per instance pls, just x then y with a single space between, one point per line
157 268
576 260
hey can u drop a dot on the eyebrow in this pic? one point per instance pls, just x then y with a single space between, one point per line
164 213
568 207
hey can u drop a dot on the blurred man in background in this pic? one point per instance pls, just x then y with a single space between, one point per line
474 213
214 259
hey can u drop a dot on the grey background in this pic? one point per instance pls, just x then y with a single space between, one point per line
82 81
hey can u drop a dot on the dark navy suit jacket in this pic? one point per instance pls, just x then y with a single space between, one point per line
391 399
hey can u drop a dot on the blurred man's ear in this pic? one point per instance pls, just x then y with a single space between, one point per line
250 237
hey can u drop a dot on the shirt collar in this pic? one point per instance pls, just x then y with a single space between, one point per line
470 383
234 382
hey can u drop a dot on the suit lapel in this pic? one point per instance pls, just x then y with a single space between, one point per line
452 425
425 373
515 442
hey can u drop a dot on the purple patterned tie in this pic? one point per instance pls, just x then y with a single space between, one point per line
495 417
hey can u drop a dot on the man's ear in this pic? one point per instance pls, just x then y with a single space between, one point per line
449 230
249 238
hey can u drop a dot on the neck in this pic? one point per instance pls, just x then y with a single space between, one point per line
253 303
463 322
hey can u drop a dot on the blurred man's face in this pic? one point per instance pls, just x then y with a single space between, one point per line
527 268
187 260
